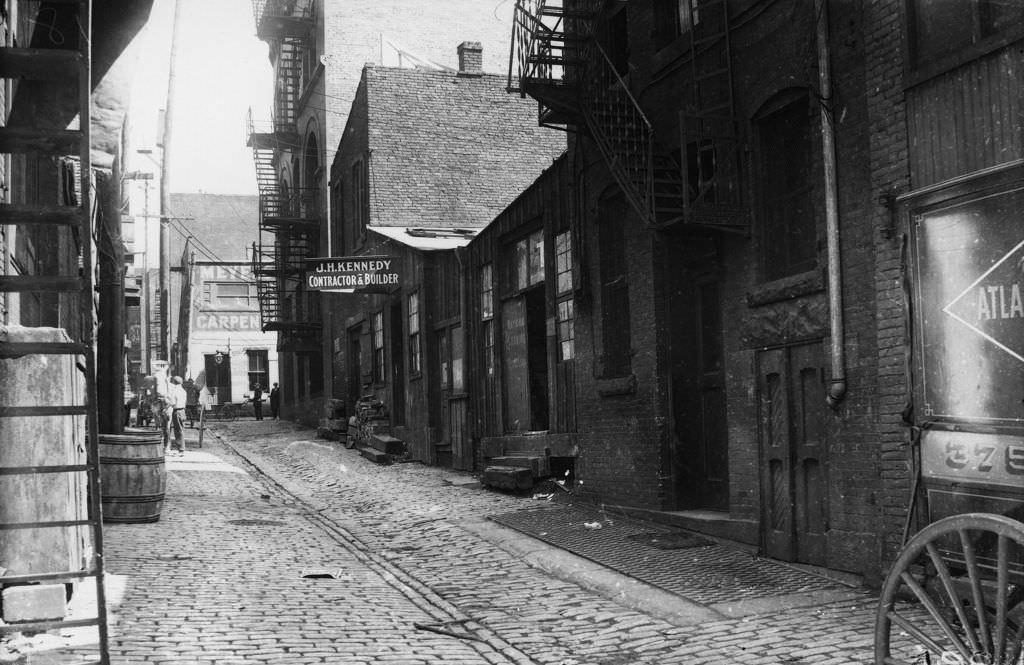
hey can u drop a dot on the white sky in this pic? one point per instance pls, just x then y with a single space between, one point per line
222 71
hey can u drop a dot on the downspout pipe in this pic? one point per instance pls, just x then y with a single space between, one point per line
837 382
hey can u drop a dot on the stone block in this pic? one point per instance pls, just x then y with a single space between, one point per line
387 444
34 602
538 464
375 455
508 477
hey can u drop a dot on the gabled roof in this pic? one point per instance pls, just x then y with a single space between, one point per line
447 149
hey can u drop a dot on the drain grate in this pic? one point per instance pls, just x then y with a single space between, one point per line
669 541
250 522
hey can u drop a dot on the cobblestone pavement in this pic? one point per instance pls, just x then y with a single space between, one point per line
276 547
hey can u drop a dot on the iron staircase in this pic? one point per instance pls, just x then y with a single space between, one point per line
77 283
559 61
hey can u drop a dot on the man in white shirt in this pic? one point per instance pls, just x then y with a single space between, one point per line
176 400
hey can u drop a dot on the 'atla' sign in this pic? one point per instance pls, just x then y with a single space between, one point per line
991 302
349 274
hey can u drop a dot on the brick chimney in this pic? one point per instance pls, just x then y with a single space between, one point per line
471 59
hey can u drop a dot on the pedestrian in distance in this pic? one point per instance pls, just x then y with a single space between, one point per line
174 411
257 401
275 400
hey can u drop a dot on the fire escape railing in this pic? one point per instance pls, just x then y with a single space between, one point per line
622 132
560 63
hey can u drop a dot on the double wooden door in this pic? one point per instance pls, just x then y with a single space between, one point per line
794 453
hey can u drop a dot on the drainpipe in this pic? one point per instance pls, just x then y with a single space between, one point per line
837 384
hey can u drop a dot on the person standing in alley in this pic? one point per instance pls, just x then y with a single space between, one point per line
257 401
174 412
275 400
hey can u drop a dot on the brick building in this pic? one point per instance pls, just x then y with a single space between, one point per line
747 179
427 159
219 342
318 50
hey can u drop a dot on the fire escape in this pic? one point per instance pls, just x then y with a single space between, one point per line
559 59
289 217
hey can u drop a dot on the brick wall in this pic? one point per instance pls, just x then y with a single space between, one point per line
883 34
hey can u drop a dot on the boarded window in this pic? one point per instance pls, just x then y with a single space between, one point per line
788 229
941 28
671 19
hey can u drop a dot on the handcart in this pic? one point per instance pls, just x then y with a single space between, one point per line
955 592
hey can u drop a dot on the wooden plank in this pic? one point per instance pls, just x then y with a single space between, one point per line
40 283
11 213
53 468
16 140
66 576
39 64
19 349
21 411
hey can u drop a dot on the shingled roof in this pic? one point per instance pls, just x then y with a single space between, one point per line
447 148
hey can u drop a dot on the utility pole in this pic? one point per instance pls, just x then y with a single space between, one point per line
165 190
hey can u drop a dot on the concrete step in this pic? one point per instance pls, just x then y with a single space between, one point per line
508 477
538 463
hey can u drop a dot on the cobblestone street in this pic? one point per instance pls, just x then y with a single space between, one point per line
277 547
274 546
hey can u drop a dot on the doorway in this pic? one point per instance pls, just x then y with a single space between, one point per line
794 449
218 377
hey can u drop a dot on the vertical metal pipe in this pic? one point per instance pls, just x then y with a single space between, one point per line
837 381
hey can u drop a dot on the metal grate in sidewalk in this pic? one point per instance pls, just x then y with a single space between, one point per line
702 571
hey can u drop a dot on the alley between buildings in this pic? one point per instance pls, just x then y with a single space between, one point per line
275 546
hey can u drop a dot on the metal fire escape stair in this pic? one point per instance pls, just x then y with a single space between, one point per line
561 64
711 134
59 66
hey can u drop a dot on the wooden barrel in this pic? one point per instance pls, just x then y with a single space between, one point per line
133 476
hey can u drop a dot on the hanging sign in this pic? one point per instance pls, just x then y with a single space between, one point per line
352 274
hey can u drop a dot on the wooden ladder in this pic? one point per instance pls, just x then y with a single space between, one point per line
58 67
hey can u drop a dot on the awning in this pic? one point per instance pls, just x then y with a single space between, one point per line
428 239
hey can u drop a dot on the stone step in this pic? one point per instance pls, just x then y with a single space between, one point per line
539 464
508 477
387 444
375 455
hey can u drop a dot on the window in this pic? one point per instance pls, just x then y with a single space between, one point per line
566 329
415 357
444 358
565 307
258 373
563 263
360 197
229 295
377 336
939 28
528 261
616 342
671 19
487 316
486 291
788 227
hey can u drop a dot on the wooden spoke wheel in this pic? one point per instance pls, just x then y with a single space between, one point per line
954 596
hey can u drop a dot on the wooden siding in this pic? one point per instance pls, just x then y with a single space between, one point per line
549 199
967 119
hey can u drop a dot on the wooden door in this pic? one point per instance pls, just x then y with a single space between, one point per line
794 452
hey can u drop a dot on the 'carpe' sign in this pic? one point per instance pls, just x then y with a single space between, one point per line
347 274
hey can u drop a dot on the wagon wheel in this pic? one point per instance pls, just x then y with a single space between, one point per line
227 412
954 596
